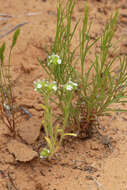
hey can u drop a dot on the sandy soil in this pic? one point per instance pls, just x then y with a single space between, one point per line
80 164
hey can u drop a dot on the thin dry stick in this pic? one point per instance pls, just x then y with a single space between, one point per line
99 186
13 29
33 14
9 186
28 14
5 15
11 180
3 18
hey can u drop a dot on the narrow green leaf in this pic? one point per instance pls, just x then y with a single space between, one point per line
2 49
15 36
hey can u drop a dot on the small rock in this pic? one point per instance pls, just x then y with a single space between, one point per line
29 130
21 151
94 146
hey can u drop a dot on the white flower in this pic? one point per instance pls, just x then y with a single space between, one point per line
39 85
59 61
45 86
73 83
7 107
54 88
54 59
69 87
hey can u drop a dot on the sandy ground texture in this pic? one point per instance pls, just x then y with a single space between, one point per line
93 164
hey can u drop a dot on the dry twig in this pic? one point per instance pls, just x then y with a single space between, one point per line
13 29
11 181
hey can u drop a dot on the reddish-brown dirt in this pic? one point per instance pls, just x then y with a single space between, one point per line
92 164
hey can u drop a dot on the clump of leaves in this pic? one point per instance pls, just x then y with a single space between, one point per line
97 87
99 91
6 86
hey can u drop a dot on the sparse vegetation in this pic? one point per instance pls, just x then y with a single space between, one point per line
6 87
80 97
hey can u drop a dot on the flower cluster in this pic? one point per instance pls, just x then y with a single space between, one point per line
45 85
49 86
69 86
54 59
